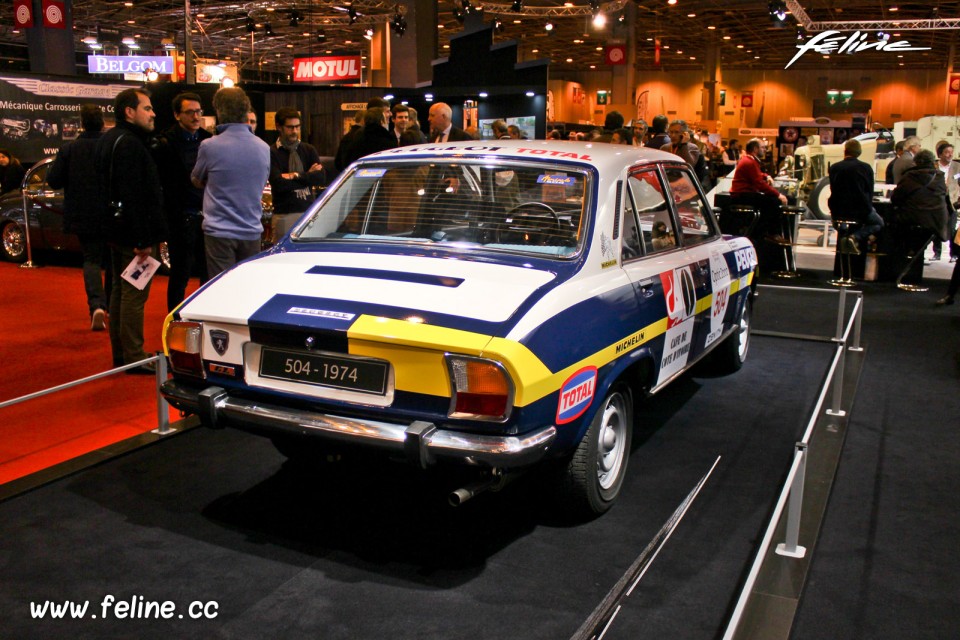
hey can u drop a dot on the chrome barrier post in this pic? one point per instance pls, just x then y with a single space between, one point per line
857 320
841 312
163 415
790 548
835 409
26 230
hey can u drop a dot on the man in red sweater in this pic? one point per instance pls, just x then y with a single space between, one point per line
753 187
750 178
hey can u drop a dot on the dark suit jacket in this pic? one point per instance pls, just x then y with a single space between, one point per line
456 135
851 189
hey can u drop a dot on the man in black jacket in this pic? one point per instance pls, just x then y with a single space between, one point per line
851 195
134 221
295 173
440 117
74 171
182 200
920 198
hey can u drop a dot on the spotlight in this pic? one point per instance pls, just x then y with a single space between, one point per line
883 35
368 34
778 10
498 25
594 5
321 36
268 29
352 14
295 18
800 34
622 19
251 25
599 20
548 26
517 6
458 14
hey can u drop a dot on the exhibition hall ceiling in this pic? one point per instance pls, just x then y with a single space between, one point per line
265 34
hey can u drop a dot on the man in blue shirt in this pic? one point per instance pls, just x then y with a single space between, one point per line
233 168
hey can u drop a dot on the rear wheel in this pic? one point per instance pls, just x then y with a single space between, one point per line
730 355
13 242
594 475
818 200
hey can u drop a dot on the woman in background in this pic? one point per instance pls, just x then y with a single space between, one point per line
11 172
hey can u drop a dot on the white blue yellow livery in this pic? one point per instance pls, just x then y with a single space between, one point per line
497 304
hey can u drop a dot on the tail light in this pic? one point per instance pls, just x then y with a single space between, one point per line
482 390
184 340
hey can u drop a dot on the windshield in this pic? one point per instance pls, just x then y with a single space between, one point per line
523 208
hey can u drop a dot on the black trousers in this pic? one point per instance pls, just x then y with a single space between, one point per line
186 250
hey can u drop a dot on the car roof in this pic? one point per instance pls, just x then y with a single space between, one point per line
603 156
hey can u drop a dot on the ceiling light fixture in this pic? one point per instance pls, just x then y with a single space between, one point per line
778 10
517 6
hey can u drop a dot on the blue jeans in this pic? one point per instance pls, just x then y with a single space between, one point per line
871 226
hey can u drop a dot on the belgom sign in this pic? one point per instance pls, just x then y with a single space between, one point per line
327 69
130 64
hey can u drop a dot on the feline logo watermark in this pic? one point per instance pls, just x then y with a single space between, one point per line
834 42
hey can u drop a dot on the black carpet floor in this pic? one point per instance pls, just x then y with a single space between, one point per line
374 552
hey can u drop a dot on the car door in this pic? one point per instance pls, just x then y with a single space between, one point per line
659 268
45 205
704 252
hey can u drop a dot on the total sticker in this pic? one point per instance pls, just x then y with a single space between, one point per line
576 395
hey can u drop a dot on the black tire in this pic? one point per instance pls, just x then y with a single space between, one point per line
818 200
730 355
13 242
592 478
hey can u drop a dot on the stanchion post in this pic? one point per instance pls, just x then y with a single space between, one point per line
835 409
163 415
26 231
789 547
841 312
857 320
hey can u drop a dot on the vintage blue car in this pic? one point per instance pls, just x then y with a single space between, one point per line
499 304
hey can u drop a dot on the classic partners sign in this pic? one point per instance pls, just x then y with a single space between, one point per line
130 64
834 42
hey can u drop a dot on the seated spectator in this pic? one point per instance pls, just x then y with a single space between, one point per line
851 195
751 186
920 198
553 135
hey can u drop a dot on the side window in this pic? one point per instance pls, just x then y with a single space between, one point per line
694 216
631 242
653 214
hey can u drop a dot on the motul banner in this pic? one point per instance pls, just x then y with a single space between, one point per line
23 14
327 69
53 15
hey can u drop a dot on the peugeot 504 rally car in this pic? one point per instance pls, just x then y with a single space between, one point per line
500 304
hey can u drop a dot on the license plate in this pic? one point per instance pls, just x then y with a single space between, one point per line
338 372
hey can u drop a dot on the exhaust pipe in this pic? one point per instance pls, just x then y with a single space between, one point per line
461 495
496 481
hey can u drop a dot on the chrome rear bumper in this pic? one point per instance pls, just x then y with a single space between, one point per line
422 442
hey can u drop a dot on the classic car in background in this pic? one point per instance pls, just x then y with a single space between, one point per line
500 305
46 217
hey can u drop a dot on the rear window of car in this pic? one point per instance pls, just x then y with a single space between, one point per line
526 208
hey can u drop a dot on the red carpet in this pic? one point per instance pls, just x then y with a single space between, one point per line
48 342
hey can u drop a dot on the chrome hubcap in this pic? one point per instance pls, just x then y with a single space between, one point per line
611 445
13 240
